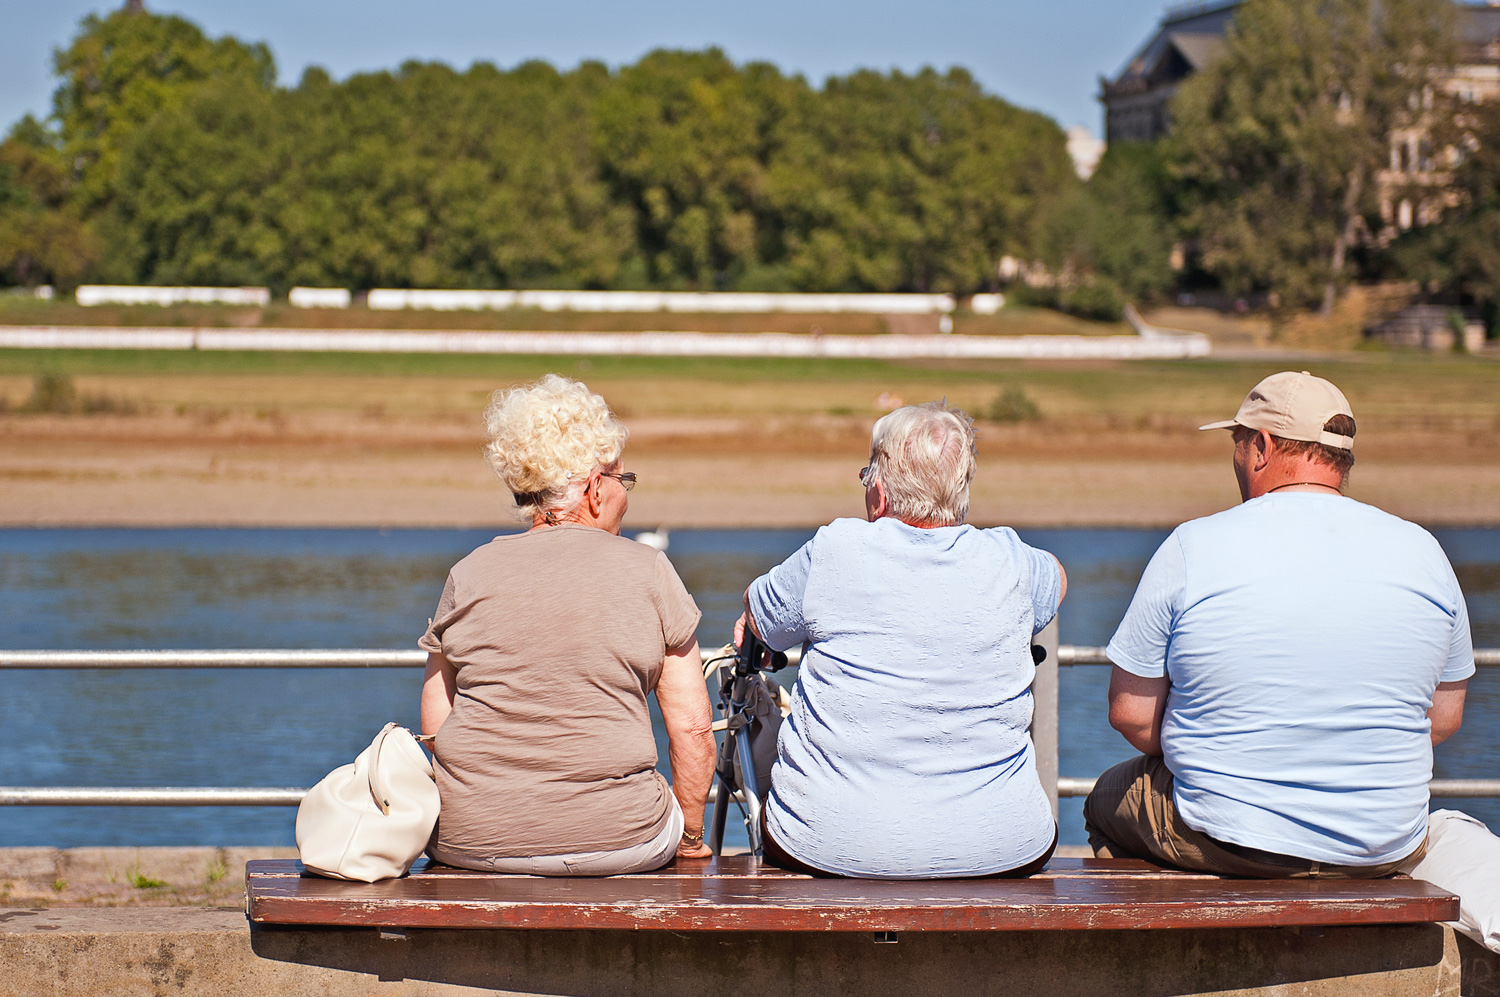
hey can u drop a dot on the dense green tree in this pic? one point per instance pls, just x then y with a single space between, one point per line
122 69
42 237
913 182
1120 226
1461 256
687 139
1278 142
186 164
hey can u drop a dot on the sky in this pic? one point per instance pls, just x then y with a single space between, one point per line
1047 56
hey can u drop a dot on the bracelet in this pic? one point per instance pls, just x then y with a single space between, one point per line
693 839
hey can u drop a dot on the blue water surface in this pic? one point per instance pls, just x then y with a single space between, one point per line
244 588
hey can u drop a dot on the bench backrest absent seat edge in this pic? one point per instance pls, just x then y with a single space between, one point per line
738 893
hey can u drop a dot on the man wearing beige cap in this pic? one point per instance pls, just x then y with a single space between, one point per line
1285 667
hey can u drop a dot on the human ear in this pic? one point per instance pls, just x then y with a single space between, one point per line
1264 446
876 500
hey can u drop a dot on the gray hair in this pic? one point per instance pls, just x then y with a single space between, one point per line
924 456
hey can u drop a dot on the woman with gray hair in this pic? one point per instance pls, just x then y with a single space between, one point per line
541 654
907 753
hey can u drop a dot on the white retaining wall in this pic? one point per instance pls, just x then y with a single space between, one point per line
763 344
320 297
125 294
663 301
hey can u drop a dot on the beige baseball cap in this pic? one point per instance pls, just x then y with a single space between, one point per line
1293 406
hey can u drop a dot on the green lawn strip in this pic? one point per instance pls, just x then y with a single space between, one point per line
1392 385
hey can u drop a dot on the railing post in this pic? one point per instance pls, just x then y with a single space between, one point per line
1044 713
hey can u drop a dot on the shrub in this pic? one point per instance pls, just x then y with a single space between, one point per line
1013 405
56 394
1096 298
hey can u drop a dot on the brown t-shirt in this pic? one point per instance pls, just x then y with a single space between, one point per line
558 635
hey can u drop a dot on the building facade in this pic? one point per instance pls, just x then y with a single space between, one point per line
1137 101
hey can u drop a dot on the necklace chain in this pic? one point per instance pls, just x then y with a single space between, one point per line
1293 484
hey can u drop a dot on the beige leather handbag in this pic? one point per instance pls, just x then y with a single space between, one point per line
370 820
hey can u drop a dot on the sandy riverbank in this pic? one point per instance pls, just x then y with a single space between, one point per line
264 440
161 471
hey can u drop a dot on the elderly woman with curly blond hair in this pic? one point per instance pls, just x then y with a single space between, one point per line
541 655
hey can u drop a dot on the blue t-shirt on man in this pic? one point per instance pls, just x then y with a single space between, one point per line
1303 635
906 754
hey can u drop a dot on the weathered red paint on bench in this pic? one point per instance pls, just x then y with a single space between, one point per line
739 894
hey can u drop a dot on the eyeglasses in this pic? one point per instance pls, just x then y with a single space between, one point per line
625 478
864 473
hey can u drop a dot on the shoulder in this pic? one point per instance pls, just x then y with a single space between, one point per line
1000 536
1378 518
841 534
482 557
847 528
1393 530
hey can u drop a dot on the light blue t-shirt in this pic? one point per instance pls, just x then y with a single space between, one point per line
1303 635
906 754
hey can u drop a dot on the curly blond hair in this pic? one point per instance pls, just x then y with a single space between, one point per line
545 439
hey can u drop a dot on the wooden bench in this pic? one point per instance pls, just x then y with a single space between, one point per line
738 893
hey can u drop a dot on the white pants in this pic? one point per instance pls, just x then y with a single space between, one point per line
652 854
1463 857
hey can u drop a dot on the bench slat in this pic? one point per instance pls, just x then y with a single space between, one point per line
747 866
730 902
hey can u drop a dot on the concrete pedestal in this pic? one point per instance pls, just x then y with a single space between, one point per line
213 952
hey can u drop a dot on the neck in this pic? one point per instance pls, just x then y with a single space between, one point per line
1306 485
541 522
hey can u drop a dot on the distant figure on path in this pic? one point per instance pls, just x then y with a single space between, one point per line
1285 667
907 753
541 654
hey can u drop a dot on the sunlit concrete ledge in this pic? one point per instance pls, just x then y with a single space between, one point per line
674 344
214 952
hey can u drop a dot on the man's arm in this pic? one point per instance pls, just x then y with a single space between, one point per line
1447 713
1135 708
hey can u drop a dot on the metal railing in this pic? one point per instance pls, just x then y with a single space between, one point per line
1044 726
1067 655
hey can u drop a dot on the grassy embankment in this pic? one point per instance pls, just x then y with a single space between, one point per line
212 437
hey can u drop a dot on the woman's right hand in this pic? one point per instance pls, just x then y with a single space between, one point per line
699 849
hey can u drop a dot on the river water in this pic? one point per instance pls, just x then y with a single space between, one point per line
206 588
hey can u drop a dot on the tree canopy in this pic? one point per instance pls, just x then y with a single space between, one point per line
172 157
1461 256
1276 144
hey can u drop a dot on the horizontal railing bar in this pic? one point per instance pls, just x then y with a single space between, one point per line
1072 654
1075 654
169 796
1067 654
213 659
1072 786
1450 788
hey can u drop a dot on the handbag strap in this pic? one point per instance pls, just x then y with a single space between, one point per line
378 788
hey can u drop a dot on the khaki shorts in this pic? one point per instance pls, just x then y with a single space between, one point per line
1131 814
